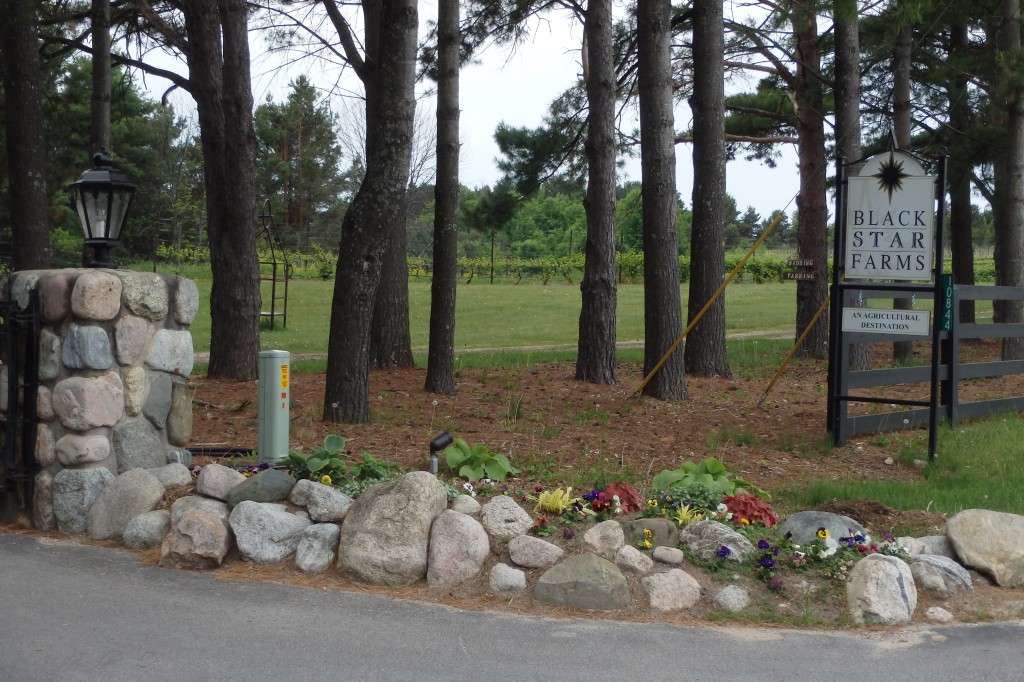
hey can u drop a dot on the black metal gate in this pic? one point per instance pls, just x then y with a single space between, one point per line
19 359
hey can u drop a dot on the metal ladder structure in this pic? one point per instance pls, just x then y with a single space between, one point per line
19 361
279 270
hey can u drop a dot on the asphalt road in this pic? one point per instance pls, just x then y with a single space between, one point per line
71 612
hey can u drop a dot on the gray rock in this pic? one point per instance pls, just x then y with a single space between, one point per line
207 505
74 450
317 548
299 496
584 581
937 614
49 357
938 545
881 589
87 347
271 485
44 404
186 301
705 538
172 475
732 599
505 579
217 480
179 456
158 400
197 540
632 559
145 294
465 504
134 390
43 517
913 546
458 547
137 445
804 525
664 532
503 518
131 339
386 534
147 530
82 403
530 552
673 590
325 503
132 493
171 351
954 576
605 538
23 284
96 295
668 555
266 533
179 421
928 578
74 491
990 542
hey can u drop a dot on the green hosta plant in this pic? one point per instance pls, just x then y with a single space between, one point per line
320 462
477 462
709 472
369 468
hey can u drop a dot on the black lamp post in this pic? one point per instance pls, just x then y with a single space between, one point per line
102 195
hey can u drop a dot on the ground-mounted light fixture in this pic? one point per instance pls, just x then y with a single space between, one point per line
102 195
440 442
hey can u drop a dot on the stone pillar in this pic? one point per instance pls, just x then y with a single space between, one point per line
115 353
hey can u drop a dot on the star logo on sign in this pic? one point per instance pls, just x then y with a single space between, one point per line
890 176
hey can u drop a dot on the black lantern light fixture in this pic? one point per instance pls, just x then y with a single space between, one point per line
102 195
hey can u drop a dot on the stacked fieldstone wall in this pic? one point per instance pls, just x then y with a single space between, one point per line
115 353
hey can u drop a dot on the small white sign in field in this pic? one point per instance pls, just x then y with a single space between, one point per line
879 321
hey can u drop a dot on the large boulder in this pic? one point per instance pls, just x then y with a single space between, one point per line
207 505
458 547
584 581
147 530
217 480
505 579
504 519
705 540
325 504
664 532
132 493
804 526
386 535
197 539
605 538
530 552
991 542
940 574
265 532
74 492
881 589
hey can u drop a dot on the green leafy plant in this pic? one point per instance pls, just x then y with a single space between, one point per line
322 461
369 468
709 472
477 462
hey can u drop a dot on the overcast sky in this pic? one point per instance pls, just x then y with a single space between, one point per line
516 87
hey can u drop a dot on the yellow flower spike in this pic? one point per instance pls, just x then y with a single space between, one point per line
325 479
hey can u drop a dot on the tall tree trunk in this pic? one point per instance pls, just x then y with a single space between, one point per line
961 237
26 150
705 346
100 127
811 203
662 307
1009 252
902 351
441 352
847 95
367 227
218 61
595 358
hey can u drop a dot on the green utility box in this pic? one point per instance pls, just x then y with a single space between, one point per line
274 402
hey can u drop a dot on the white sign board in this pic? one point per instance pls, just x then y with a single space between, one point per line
890 220
878 321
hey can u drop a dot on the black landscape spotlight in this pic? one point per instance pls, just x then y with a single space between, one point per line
102 195
440 442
